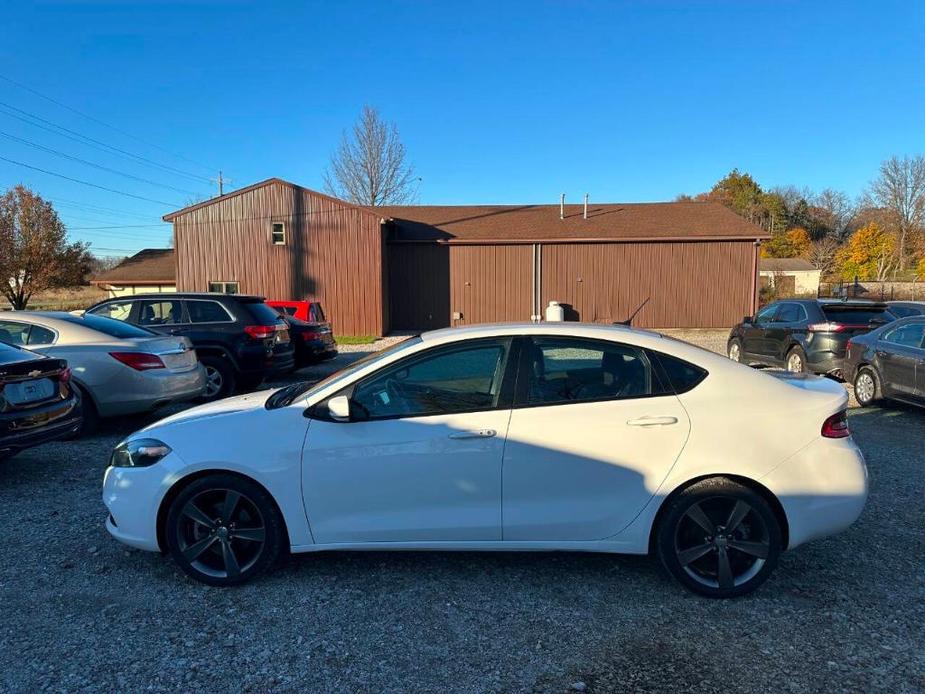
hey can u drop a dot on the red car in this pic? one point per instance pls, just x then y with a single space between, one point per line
311 333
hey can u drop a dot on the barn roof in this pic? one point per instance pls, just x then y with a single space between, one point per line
150 266
523 223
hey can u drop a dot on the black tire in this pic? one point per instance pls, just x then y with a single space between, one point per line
867 387
220 378
693 553
734 350
218 546
91 416
796 356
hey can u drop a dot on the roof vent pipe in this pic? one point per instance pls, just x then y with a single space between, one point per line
586 205
562 206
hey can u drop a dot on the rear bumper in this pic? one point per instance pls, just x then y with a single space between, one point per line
141 391
25 430
825 352
823 489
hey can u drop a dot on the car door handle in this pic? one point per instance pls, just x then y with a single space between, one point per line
480 434
652 421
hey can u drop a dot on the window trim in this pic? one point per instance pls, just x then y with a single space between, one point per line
273 240
521 396
224 283
512 343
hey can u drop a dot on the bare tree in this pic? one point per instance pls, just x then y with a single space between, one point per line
822 255
835 211
34 252
369 166
900 189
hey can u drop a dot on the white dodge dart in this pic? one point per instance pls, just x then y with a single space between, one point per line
509 437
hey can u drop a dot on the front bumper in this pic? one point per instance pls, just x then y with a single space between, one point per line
823 488
133 495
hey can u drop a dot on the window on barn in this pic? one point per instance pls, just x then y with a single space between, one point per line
223 287
278 234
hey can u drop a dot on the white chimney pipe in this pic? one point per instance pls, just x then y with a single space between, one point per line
586 205
562 206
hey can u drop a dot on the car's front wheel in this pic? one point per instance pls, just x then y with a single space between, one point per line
866 386
224 530
734 349
719 538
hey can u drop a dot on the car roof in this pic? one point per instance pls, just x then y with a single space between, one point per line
546 328
185 295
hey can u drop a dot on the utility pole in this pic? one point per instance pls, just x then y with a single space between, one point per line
221 181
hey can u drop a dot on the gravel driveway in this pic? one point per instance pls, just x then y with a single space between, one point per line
80 612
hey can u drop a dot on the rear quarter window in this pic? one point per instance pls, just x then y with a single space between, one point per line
682 375
207 312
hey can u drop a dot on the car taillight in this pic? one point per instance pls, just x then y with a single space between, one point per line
827 327
65 375
309 336
140 361
836 426
260 332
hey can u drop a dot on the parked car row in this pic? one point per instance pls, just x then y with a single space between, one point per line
878 347
129 355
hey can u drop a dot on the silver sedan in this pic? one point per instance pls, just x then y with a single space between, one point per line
119 368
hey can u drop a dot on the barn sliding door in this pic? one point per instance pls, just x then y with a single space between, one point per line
491 283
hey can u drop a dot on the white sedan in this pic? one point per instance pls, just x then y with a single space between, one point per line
503 437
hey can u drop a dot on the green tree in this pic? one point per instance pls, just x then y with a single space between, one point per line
34 252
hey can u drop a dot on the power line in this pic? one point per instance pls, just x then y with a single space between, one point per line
97 209
94 165
104 123
89 141
124 226
92 185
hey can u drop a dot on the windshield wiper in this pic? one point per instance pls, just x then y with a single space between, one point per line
286 396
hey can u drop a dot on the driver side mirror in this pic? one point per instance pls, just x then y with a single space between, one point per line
339 408
747 319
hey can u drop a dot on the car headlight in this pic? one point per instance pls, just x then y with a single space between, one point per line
138 453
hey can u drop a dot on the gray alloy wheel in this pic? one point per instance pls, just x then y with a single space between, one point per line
795 363
735 351
214 382
865 387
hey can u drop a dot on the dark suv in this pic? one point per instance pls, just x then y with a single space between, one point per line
804 334
239 339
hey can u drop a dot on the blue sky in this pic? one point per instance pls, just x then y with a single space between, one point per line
497 102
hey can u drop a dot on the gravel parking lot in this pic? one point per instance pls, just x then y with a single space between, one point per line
80 612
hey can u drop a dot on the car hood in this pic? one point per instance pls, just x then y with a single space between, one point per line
219 408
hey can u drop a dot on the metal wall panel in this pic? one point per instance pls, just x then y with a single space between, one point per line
419 286
333 253
689 285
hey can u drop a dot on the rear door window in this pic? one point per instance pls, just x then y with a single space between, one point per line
161 312
570 370
207 312
790 313
909 335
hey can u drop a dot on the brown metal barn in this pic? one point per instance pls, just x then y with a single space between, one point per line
421 267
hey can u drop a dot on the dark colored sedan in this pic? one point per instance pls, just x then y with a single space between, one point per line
313 341
37 403
804 334
889 363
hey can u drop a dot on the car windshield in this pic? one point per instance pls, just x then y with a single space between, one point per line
108 326
856 315
289 394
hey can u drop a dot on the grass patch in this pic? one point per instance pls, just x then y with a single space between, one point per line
355 339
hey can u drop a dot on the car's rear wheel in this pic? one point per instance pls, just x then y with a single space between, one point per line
866 386
224 530
719 538
734 350
220 380
90 416
796 360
